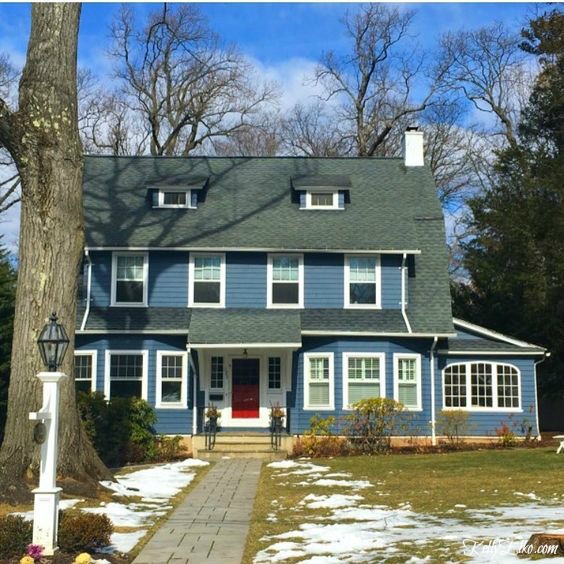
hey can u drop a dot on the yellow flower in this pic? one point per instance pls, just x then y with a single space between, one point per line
27 560
83 558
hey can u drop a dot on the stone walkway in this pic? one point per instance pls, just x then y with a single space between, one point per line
212 522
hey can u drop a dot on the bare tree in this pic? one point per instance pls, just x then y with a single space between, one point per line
374 84
9 179
42 137
177 78
490 69
313 131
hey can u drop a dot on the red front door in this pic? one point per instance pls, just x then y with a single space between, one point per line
245 394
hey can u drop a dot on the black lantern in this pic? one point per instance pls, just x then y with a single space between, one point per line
53 343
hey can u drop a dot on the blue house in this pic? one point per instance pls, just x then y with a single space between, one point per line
308 283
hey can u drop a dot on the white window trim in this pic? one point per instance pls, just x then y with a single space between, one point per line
270 390
212 389
188 192
269 281
144 378
115 256
331 406
346 356
222 280
409 356
378 304
494 407
321 190
183 403
94 354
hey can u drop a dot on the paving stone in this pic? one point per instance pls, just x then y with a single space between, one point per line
212 522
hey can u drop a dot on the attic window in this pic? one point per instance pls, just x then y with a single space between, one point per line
174 198
322 200
322 192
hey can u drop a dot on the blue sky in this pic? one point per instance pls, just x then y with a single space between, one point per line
284 40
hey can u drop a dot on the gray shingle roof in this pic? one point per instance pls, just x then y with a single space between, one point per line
487 345
348 320
154 319
244 326
248 203
336 181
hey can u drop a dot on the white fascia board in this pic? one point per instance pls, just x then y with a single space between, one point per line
132 332
375 334
260 249
493 353
246 346
493 334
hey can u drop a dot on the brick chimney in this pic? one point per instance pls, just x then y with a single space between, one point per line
413 147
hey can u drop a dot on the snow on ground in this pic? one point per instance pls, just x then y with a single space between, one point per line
63 504
356 532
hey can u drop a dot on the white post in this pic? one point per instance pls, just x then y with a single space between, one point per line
46 496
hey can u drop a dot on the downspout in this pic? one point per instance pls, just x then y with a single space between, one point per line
88 289
403 293
433 415
194 391
546 355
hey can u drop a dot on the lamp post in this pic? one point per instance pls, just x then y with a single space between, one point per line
53 342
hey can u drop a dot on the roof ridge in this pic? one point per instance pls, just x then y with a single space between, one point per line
216 157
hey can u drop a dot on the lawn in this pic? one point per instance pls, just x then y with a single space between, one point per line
392 508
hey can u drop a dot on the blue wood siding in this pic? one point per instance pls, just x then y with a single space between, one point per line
170 421
391 281
101 278
168 279
324 280
245 280
486 422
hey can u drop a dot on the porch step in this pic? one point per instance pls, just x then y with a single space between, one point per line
244 445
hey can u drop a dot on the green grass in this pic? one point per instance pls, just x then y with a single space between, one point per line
432 483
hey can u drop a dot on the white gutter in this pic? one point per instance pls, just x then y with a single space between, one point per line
194 391
403 300
547 355
433 415
88 287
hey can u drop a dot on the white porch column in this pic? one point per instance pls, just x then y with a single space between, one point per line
46 496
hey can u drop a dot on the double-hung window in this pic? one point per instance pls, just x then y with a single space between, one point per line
129 279
126 374
481 386
85 371
363 377
407 380
285 281
318 381
171 379
207 280
362 281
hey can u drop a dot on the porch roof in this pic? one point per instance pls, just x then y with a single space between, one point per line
244 327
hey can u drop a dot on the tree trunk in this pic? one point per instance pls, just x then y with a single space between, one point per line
43 138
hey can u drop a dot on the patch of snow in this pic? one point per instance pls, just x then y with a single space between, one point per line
529 495
353 484
338 475
460 506
124 542
126 515
63 504
334 501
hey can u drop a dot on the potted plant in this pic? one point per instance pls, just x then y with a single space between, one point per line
276 418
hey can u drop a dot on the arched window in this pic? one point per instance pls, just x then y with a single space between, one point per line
481 385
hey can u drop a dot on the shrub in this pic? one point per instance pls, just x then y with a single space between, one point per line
121 429
372 424
79 531
506 434
320 426
320 446
453 424
169 448
15 536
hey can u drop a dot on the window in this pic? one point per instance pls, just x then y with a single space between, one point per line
362 281
171 379
285 281
481 385
407 380
363 377
85 371
216 380
126 374
322 199
207 280
129 273
274 373
171 198
318 393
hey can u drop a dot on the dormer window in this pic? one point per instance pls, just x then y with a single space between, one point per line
322 200
175 198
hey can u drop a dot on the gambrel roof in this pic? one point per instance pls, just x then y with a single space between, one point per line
250 203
